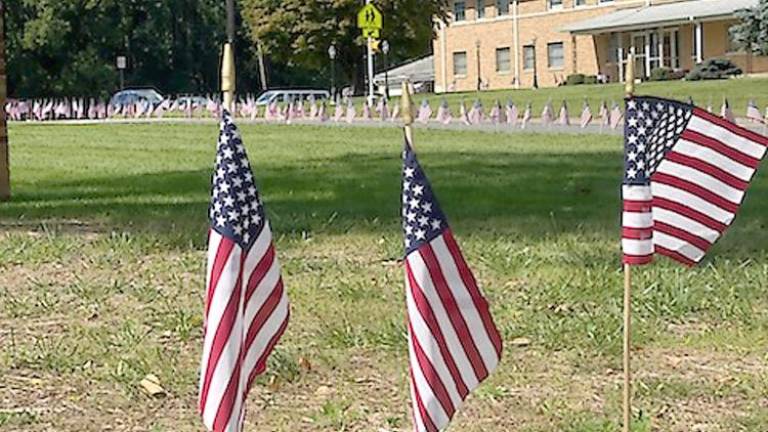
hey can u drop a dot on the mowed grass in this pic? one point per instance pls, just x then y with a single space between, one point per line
102 260
739 92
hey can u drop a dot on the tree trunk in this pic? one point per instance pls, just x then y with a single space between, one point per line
5 180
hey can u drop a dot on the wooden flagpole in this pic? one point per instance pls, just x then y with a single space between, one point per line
406 109
630 91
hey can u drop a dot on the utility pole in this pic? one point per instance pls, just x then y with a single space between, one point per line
5 168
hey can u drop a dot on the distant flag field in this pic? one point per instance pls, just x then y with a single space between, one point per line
686 174
452 341
246 308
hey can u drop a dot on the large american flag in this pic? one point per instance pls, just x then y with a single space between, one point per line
246 309
686 173
452 340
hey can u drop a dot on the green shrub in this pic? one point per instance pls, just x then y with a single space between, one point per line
713 69
661 74
590 79
574 79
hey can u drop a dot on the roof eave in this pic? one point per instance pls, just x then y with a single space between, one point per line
646 26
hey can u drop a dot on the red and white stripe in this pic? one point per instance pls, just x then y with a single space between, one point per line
246 313
452 340
695 191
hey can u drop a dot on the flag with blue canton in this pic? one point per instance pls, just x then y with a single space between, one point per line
685 177
236 210
246 308
453 343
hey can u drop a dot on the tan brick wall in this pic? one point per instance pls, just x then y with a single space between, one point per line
582 54
535 21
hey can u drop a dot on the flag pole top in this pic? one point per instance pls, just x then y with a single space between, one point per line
228 76
406 105
630 76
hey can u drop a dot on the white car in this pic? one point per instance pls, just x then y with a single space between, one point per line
289 95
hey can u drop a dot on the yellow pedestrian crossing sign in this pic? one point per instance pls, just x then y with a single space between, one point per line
369 20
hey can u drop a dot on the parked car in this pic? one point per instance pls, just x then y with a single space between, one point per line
134 95
287 95
197 101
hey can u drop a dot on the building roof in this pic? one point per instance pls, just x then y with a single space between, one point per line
419 70
671 13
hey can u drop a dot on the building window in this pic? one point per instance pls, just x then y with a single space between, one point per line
580 3
460 63
555 4
502 60
480 9
556 55
529 57
502 7
606 1
459 11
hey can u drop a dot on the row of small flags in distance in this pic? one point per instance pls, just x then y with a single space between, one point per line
509 114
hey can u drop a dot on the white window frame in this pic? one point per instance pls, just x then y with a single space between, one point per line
466 63
498 11
549 56
463 12
509 60
533 57
550 6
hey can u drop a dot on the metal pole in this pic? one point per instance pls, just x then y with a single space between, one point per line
386 75
479 78
535 67
228 60
231 21
333 79
122 79
5 170
516 37
370 66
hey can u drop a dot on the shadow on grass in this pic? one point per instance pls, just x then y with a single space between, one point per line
531 195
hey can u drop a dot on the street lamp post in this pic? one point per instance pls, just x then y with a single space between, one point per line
332 56
479 78
535 66
385 50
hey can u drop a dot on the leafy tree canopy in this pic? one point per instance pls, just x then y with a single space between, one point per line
297 33
751 33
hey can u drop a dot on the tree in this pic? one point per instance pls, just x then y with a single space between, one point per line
297 33
69 47
751 33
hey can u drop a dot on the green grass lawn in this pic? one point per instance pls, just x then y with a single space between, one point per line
102 271
738 91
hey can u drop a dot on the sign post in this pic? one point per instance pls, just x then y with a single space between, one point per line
369 20
122 62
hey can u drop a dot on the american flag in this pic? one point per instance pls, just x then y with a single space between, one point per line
564 119
753 112
586 115
686 172
512 114
452 340
246 309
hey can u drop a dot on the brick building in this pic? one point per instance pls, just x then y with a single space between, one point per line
516 42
